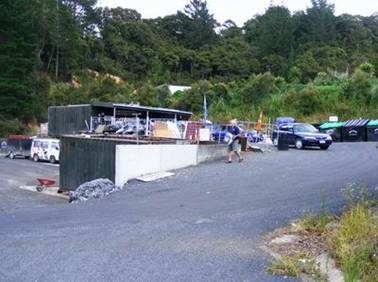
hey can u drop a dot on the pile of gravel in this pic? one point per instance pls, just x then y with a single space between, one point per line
95 189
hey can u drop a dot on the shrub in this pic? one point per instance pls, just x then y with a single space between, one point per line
355 243
12 126
368 68
306 101
257 88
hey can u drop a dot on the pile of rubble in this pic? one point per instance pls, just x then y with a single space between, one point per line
95 189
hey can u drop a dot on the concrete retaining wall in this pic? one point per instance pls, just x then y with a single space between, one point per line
210 152
136 160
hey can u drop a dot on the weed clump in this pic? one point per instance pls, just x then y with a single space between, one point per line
351 239
354 244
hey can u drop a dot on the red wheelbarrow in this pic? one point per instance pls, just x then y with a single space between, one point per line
44 183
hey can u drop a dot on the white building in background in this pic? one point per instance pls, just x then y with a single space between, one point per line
174 88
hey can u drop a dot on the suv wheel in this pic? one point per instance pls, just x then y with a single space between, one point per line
35 158
299 144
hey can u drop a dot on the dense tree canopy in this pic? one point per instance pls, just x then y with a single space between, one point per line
67 51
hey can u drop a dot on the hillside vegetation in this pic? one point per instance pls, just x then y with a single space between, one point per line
309 64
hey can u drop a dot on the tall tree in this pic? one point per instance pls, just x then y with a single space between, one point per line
129 42
199 25
318 24
17 58
273 32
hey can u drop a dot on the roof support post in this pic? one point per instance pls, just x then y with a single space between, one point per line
114 115
147 131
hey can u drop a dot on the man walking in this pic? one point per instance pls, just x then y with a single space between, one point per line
233 146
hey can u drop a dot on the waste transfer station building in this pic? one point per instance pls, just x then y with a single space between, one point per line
73 119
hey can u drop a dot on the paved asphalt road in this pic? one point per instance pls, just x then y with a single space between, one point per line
203 224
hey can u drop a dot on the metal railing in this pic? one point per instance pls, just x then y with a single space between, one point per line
188 130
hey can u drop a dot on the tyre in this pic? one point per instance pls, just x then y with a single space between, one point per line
299 144
52 160
35 158
324 147
12 155
40 188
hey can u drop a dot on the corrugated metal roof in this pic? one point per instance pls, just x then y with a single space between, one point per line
373 123
133 107
356 123
332 125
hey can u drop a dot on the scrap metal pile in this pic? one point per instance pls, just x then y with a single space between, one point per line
164 128
95 189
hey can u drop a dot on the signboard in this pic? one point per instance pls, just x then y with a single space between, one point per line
204 134
333 118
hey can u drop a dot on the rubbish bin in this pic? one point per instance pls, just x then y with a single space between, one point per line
334 129
372 130
355 130
243 143
283 143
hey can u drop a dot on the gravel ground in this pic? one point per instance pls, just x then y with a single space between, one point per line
203 224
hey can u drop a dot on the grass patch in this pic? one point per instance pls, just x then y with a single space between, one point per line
351 239
286 266
354 244
317 225
295 267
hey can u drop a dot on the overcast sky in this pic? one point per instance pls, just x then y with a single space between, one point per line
238 10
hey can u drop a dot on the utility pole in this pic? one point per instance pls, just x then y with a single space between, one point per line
57 42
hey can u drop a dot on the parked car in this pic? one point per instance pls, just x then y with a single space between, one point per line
17 146
253 136
45 150
302 135
220 132
284 120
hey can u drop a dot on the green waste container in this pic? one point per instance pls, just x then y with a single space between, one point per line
335 129
372 130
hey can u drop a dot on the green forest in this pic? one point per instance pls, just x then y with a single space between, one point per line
308 64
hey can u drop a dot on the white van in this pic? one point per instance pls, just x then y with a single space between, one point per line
45 149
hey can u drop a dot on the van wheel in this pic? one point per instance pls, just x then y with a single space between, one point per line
12 155
52 160
35 158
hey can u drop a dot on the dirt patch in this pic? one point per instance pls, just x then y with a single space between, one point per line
306 244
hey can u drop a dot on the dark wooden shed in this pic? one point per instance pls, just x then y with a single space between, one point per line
84 159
